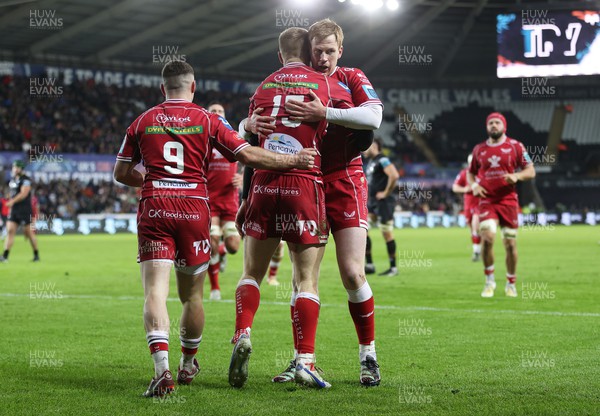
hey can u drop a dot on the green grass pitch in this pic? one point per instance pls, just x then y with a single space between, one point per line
73 340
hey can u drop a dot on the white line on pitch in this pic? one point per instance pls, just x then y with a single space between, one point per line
384 307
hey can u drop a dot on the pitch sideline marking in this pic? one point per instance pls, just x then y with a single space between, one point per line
382 307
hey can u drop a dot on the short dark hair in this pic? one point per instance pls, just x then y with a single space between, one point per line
172 74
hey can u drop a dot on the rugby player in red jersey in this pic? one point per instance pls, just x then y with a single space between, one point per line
497 165
174 141
345 184
224 183
470 206
286 205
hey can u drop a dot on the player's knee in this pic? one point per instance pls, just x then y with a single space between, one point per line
216 231
488 227
509 234
387 227
231 237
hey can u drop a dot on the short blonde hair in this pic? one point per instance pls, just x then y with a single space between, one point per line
293 43
324 28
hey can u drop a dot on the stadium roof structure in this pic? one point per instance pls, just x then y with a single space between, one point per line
237 39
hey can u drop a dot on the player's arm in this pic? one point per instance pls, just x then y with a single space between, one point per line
367 117
526 174
256 124
393 175
477 189
25 189
259 158
458 189
126 173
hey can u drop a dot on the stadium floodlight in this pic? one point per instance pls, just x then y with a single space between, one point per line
373 5
392 5
342 1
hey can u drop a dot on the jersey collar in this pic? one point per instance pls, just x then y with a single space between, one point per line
489 143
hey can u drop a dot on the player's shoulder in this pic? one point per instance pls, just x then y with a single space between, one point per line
514 142
24 178
351 74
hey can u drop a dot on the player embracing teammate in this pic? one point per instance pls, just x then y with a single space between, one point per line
174 141
497 165
349 132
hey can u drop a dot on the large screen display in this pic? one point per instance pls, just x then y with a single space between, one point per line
540 43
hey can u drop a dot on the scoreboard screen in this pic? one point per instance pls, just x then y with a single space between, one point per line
540 43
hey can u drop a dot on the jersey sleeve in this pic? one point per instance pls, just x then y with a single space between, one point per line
461 178
363 92
474 166
26 181
129 151
225 139
384 162
523 158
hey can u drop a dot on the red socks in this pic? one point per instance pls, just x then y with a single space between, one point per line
306 317
247 300
362 310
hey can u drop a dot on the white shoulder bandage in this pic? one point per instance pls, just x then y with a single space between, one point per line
361 118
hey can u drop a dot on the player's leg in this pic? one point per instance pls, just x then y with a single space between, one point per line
386 217
509 222
190 286
29 230
155 280
487 228
369 265
214 265
231 240
274 265
349 245
257 254
289 373
306 266
11 228
475 237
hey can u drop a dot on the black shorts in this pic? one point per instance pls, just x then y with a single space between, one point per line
383 208
20 217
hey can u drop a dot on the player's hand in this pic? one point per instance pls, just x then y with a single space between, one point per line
312 110
260 125
240 218
380 195
9 203
479 190
511 178
306 158
237 181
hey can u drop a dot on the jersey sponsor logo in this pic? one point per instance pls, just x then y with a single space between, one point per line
253 226
281 77
370 91
225 123
174 215
152 247
494 161
283 144
348 69
506 150
158 183
163 118
174 130
310 85
344 86
276 190
349 215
